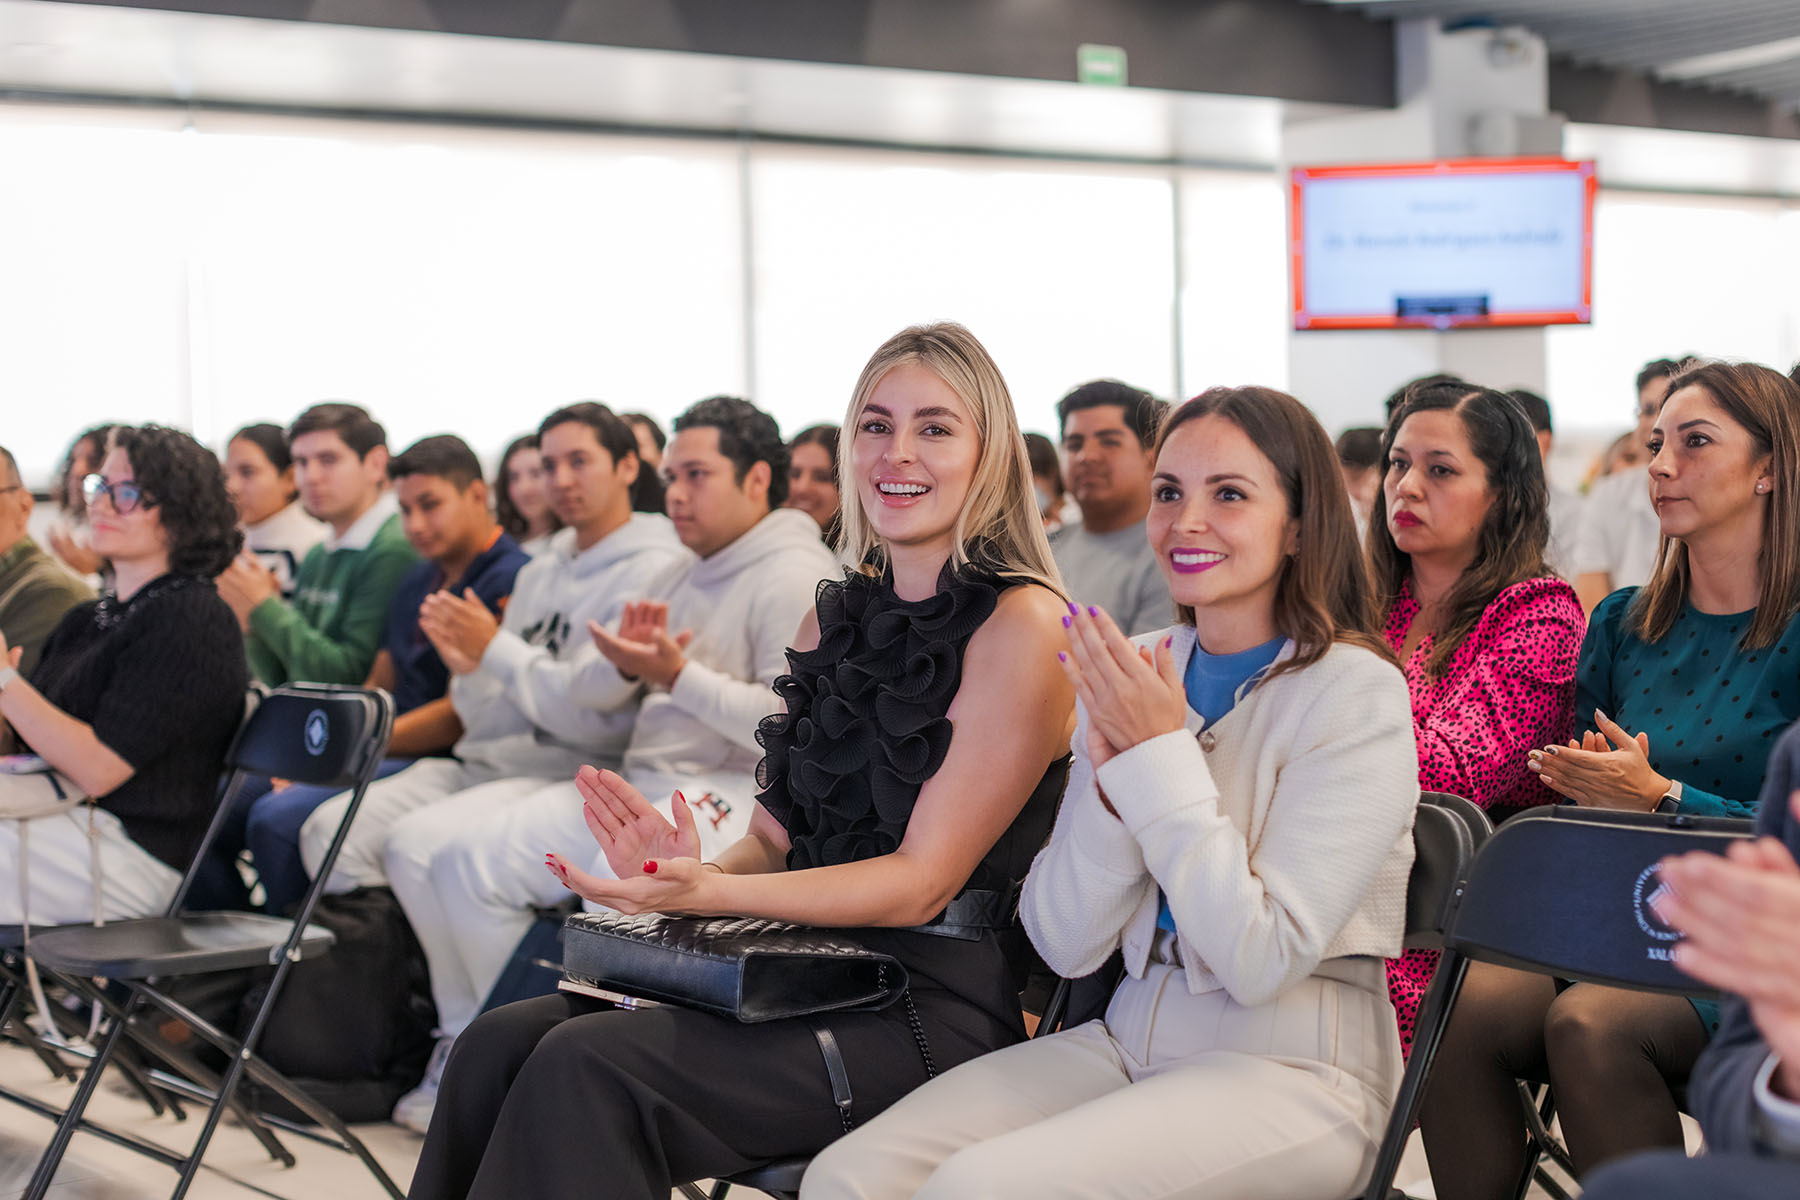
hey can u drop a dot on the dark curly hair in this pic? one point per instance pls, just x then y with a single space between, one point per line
1510 543
185 482
747 436
94 435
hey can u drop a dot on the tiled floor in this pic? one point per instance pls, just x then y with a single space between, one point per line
236 1167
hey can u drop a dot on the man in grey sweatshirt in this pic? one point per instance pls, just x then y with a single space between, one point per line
696 657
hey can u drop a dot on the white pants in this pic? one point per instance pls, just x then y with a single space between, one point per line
469 871
1171 1095
60 871
426 784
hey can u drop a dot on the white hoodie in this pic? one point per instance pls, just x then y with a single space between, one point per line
744 605
531 708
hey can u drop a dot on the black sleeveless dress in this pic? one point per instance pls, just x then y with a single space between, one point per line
866 725
565 1096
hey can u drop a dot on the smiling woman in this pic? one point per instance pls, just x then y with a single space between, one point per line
891 795
136 694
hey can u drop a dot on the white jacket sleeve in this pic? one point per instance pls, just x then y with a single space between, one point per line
734 708
556 695
1088 880
1344 797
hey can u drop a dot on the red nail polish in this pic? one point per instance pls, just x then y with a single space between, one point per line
649 867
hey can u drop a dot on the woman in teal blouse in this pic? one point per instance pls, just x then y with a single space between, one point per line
1684 686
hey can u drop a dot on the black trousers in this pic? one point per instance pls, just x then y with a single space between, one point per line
563 1096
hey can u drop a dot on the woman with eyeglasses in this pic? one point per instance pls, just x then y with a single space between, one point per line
136 695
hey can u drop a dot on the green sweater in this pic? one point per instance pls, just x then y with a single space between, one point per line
35 592
1712 709
329 632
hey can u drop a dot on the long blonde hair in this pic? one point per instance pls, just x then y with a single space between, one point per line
998 528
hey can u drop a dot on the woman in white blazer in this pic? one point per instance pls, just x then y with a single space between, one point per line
1237 822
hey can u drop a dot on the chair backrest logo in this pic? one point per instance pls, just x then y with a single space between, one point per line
318 732
1644 894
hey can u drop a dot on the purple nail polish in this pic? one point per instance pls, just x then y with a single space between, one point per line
1072 609
1092 611
1065 622
1061 657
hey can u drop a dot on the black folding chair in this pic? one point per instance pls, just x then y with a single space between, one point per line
69 1034
1446 832
312 734
1539 870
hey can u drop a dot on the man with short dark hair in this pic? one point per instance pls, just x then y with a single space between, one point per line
1566 508
1109 448
1620 533
35 589
696 658
444 513
330 631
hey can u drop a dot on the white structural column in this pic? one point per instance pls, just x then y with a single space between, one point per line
1478 92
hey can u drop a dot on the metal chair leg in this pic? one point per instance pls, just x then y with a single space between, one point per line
52 1157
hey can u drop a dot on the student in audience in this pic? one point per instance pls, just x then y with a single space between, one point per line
331 630
563 1095
1486 635
522 499
69 539
1682 686
523 684
136 695
259 474
1566 509
35 589
1424 383
1252 875
650 439
1617 547
695 659
812 477
1360 462
1739 916
444 513
647 495
1046 480
1108 429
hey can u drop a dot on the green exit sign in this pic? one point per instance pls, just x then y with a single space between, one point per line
1103 65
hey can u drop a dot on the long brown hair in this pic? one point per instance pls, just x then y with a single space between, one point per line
1509 546
1322 595
1767 404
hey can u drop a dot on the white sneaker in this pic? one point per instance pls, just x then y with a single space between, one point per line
413 1111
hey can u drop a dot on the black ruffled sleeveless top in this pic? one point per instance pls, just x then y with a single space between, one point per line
865 724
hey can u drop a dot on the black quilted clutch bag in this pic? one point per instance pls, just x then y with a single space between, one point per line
749 970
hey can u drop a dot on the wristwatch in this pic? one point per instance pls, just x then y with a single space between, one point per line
7 675
1671 800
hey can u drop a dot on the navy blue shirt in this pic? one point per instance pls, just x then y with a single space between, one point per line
419 674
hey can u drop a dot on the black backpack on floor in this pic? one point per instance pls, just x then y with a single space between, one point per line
354 1026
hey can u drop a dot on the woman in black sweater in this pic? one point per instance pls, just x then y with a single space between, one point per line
137 694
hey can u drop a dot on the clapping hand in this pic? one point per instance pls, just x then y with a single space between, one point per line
1605 769
643 649
245 584
1130 695
1739 914
458 627
657 862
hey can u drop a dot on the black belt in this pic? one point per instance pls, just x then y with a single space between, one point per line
973 914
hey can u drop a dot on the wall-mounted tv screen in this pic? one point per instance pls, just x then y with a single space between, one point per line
1441 245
